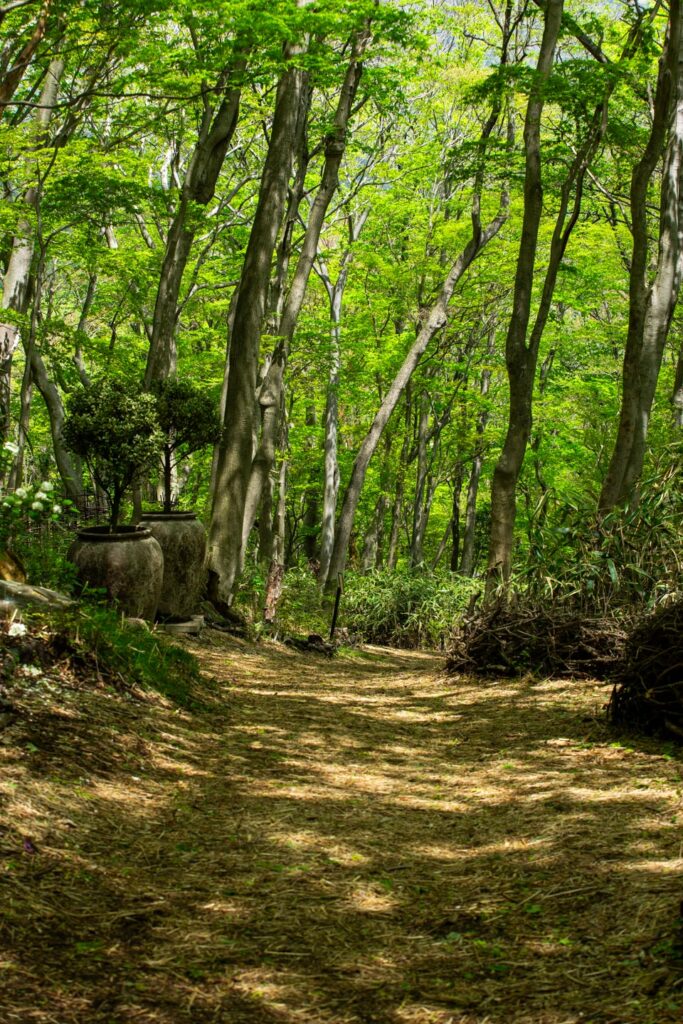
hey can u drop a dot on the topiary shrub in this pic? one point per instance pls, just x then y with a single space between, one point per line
189 421
114 428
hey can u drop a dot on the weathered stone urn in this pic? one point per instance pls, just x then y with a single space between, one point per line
182 539
128 563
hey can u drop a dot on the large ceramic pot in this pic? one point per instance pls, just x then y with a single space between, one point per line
128 563
182 539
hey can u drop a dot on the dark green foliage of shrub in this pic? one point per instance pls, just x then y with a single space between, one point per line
42 552
189 421
115 430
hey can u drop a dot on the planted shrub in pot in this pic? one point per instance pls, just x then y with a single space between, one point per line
189 421
115 430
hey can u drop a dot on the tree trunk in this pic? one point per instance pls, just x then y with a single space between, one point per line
271 416
270 396
335 294
216 131
21 61
466 567
417 539
455 518
435 320
276 572
17 473
311 501
236 448
677 394
399 491
521 358
651 304
372 545
16 285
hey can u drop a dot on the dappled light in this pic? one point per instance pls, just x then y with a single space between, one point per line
302 851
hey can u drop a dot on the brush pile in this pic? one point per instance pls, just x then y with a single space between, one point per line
648 691
511 639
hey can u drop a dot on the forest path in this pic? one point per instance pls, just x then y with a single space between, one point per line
360 839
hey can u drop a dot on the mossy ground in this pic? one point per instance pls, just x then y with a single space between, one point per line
355 840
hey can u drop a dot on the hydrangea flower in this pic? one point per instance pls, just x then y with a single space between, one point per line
21 492
47 486
37 506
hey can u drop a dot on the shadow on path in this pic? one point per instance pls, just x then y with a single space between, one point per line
362 840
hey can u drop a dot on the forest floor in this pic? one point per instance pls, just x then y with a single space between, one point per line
361 839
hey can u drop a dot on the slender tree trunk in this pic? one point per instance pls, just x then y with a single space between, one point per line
522 356
381 530
331 466
276 573
16 285
434 321
651 304
271 390
677 394
311 500
235 453
17 473
443 544
16 295
372 545
335 294
21 61
417 539
455 517
467 558
216 132
539 514
399 491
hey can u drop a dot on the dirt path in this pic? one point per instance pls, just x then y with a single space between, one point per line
356 840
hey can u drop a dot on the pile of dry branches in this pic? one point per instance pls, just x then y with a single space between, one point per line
648 691
511 639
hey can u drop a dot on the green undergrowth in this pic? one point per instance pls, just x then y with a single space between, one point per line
406 607
397 608
97 640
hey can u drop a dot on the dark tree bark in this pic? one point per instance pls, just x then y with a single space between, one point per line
455 518
270 395
21 61
522 346
469 533
216 132
235 453
651 300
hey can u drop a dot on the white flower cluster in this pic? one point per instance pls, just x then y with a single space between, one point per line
39 500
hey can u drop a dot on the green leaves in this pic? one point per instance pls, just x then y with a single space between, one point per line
187 415
115 429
